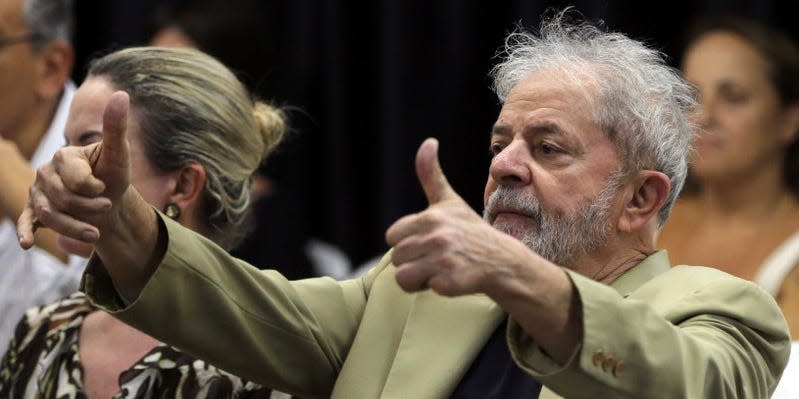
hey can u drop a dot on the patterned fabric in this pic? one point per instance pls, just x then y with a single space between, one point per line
42 362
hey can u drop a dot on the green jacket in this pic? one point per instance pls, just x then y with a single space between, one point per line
657 332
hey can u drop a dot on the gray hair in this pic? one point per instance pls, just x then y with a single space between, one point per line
49 20
192 109
643 104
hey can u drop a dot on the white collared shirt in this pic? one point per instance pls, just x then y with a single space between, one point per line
34 277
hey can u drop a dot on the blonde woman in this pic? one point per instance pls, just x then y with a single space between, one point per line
196 137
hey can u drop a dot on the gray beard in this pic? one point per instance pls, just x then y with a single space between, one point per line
558 237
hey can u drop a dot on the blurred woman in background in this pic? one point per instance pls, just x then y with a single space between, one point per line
741 213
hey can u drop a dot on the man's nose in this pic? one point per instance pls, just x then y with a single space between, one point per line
706 113
511 165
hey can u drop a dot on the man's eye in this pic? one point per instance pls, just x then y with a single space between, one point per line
734 97
548 149
733 94
495 149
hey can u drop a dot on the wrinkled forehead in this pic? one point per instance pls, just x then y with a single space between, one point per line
572 90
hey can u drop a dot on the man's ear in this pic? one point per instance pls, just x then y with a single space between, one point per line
56 60
188 190
650 191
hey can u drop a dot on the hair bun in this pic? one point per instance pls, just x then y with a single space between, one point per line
272 125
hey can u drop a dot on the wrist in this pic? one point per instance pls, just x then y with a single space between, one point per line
542 299
132 243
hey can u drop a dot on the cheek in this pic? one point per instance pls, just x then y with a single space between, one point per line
750 122
152 186
569 195
154 189
753 135
742 124
17 95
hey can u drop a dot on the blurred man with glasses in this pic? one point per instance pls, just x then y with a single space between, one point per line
36 59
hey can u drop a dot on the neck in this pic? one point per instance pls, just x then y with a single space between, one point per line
608 264
752 197
32 126
606 269
112 325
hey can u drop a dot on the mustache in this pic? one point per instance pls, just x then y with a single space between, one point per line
508 199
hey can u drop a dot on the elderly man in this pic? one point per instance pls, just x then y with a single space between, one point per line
36 59
559 285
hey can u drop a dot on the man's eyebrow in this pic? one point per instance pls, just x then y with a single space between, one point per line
501 130
548 128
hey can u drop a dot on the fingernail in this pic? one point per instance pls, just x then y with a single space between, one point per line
89 236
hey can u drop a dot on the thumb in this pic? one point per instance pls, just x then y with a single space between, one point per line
112 163
434 183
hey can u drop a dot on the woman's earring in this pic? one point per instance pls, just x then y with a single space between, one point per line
172 210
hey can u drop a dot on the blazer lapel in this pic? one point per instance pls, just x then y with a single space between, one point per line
442 336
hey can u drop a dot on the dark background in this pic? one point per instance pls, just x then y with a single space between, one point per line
370 80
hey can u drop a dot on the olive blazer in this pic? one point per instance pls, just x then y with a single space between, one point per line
656 332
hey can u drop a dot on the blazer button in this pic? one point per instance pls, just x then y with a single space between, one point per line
608 363
618 369
599 357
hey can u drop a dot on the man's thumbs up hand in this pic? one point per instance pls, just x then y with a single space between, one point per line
111 164
72 192
447 247
428 170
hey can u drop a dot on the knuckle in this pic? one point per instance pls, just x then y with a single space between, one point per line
440 239
447 262
436 215
59 155
59 202
398 254
430 217
404 282
82 185
42 172
44 214
442 285
39 208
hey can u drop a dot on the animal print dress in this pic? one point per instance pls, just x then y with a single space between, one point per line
42 362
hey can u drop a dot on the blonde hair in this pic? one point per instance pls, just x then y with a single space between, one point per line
192 109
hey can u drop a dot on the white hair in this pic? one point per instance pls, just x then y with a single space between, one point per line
49 20
642 104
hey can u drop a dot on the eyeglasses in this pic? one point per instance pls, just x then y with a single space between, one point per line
8 41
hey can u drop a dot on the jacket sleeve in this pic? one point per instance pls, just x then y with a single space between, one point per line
697 334
288 335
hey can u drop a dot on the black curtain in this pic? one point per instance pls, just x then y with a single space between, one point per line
368 81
